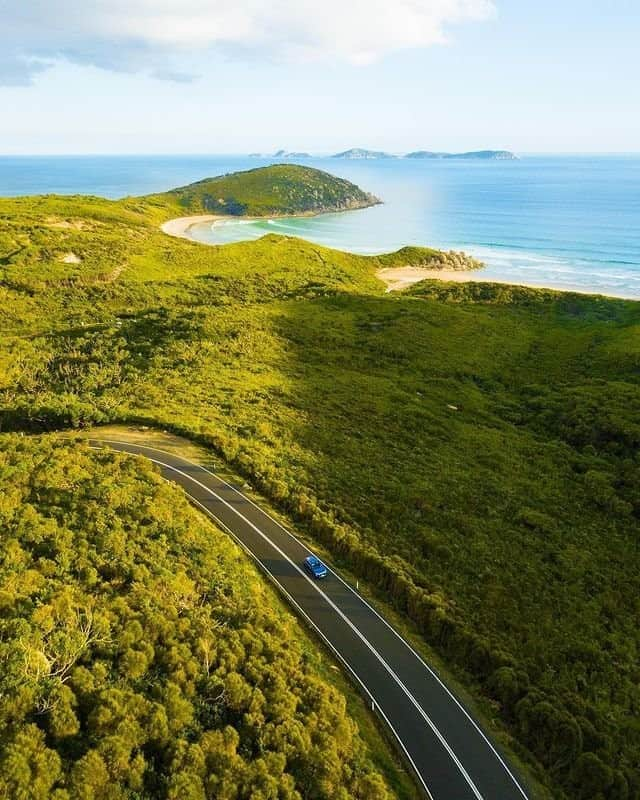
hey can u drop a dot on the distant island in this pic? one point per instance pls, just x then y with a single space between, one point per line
358 152
281 154
487 155
291 154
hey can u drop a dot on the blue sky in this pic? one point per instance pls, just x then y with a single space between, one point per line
155 76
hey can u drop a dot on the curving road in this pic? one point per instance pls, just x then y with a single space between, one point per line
452 758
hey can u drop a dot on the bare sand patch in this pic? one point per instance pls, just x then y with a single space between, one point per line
71 258
398 278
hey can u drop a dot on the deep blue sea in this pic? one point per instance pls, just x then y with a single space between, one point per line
561 221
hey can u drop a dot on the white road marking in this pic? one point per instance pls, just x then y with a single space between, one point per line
290 598
319 632
343 616
363 600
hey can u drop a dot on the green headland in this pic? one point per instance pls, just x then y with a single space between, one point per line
281 189
468 451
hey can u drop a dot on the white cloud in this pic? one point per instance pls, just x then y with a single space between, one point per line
152 35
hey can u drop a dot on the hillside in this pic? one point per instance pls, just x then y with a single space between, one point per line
470 451
142 655
266 191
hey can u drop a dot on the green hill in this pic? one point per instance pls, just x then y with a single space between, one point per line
470 451
274 190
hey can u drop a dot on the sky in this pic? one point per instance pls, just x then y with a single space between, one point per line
206 76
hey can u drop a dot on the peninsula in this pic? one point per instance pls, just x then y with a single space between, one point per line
277 190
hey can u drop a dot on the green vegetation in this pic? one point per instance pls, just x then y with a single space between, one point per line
142 657
279 189
429 258
469 449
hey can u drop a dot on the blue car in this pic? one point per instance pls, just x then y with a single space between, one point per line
315 567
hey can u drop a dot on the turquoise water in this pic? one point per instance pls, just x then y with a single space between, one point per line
562 221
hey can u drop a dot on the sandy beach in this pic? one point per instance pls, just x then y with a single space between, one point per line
398 278
181 226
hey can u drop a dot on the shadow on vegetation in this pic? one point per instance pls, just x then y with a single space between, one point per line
477 461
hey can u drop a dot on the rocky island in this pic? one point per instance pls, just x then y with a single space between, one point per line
360 153
291 154
486 155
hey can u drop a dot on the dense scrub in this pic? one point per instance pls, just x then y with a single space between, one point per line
278 189
141 656
470 449
429 258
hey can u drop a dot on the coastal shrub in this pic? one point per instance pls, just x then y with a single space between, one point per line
594 779
428 258
141 654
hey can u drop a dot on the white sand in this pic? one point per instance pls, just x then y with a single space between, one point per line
181 226
400 277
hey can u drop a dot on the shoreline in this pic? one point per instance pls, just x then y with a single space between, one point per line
180 226
395 278
399 278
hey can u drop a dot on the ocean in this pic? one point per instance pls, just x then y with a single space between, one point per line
563 221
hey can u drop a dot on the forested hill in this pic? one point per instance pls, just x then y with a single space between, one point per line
142 657
274 190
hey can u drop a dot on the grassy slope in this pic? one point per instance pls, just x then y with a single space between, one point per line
278 189
505 527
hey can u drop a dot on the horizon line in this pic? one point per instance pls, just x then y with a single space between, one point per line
400 154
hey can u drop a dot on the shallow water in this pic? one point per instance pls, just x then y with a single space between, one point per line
562 221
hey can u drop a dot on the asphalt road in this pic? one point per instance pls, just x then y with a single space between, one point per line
451 756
